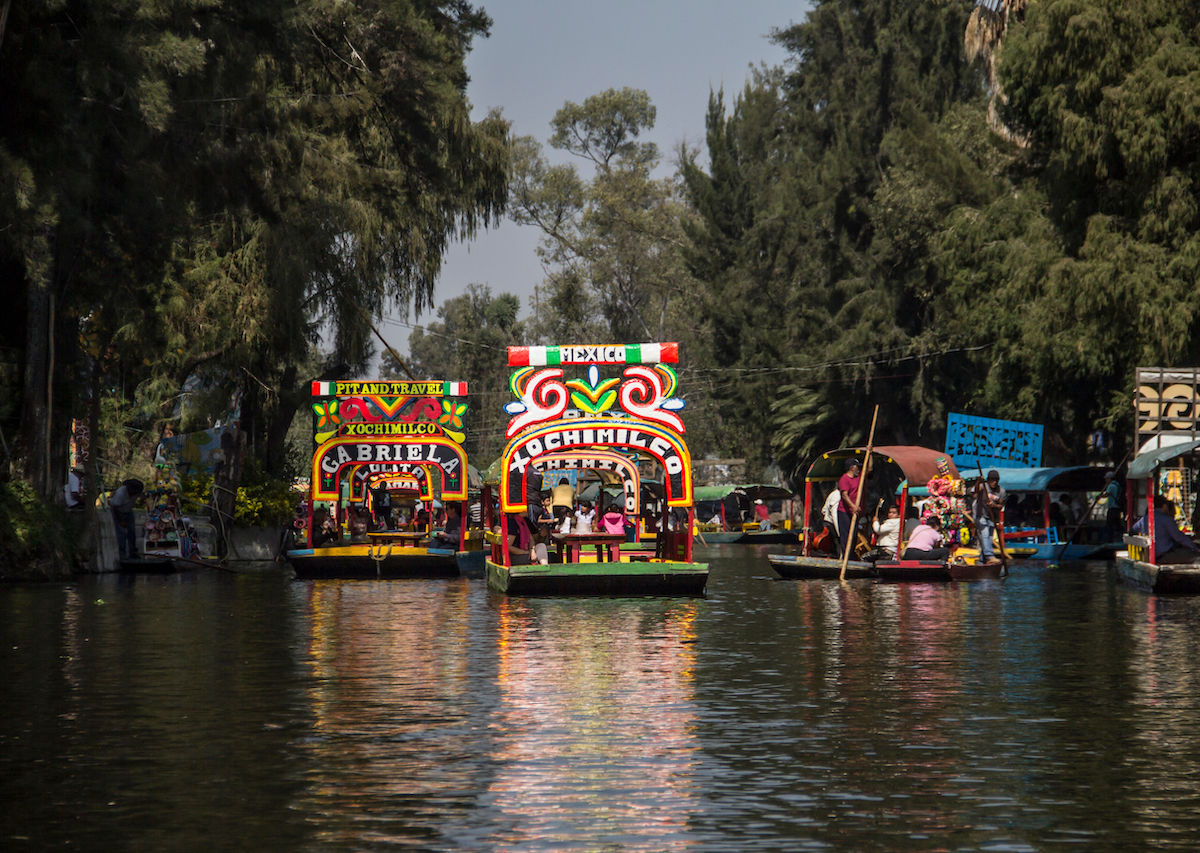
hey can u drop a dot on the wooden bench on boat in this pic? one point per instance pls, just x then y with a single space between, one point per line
1137 546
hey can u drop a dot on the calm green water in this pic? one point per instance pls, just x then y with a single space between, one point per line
1051 710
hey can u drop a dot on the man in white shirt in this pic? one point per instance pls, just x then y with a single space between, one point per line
73 490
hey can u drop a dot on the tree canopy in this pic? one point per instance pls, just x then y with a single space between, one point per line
202 185
933 207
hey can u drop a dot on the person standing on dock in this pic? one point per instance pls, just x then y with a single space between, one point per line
1114 518
121 504
988 504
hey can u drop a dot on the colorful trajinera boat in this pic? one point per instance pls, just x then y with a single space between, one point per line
627 423
726 514
402 438
893 468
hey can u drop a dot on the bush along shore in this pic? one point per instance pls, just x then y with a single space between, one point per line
38 542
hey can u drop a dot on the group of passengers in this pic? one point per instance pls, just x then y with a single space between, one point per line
558 512
924 539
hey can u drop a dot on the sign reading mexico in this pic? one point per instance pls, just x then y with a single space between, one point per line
635 411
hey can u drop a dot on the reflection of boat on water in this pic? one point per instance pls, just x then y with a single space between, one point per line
597 706
615 424
374 440
725 515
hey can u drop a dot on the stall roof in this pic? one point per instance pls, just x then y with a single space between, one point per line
918 464
1143 464
753 491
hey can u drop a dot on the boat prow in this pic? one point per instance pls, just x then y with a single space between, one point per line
801 567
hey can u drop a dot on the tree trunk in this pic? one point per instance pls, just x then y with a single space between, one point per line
227 475
290 398
35 415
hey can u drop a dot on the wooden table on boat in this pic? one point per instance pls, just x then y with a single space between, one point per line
400 537
607 545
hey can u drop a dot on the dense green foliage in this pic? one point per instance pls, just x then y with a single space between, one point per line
213 189
202 188
261 500
36 542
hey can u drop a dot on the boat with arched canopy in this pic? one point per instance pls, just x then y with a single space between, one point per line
616 413
402 438
893 467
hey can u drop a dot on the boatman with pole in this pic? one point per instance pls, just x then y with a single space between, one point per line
849 485
988 504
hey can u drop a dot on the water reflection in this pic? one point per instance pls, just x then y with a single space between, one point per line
393 704
1053 708
597 708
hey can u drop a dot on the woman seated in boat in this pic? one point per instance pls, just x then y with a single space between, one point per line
358 525
447 537
925 542
522 550
613 520
324 529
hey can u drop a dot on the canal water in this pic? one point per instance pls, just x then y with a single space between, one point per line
1050 710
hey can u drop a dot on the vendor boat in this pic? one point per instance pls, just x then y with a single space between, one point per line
616 423
170 541
406 438
891 465
1037 534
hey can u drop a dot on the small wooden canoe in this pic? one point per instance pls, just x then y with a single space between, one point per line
800 567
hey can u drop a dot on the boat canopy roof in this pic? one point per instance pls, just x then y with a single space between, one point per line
753 491
1073 478
1144 463
917 464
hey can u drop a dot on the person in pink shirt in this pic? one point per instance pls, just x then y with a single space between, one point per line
925 540
850 485
613 520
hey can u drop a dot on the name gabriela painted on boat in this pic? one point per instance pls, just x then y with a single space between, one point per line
389 481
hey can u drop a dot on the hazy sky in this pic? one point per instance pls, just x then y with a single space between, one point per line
543 53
